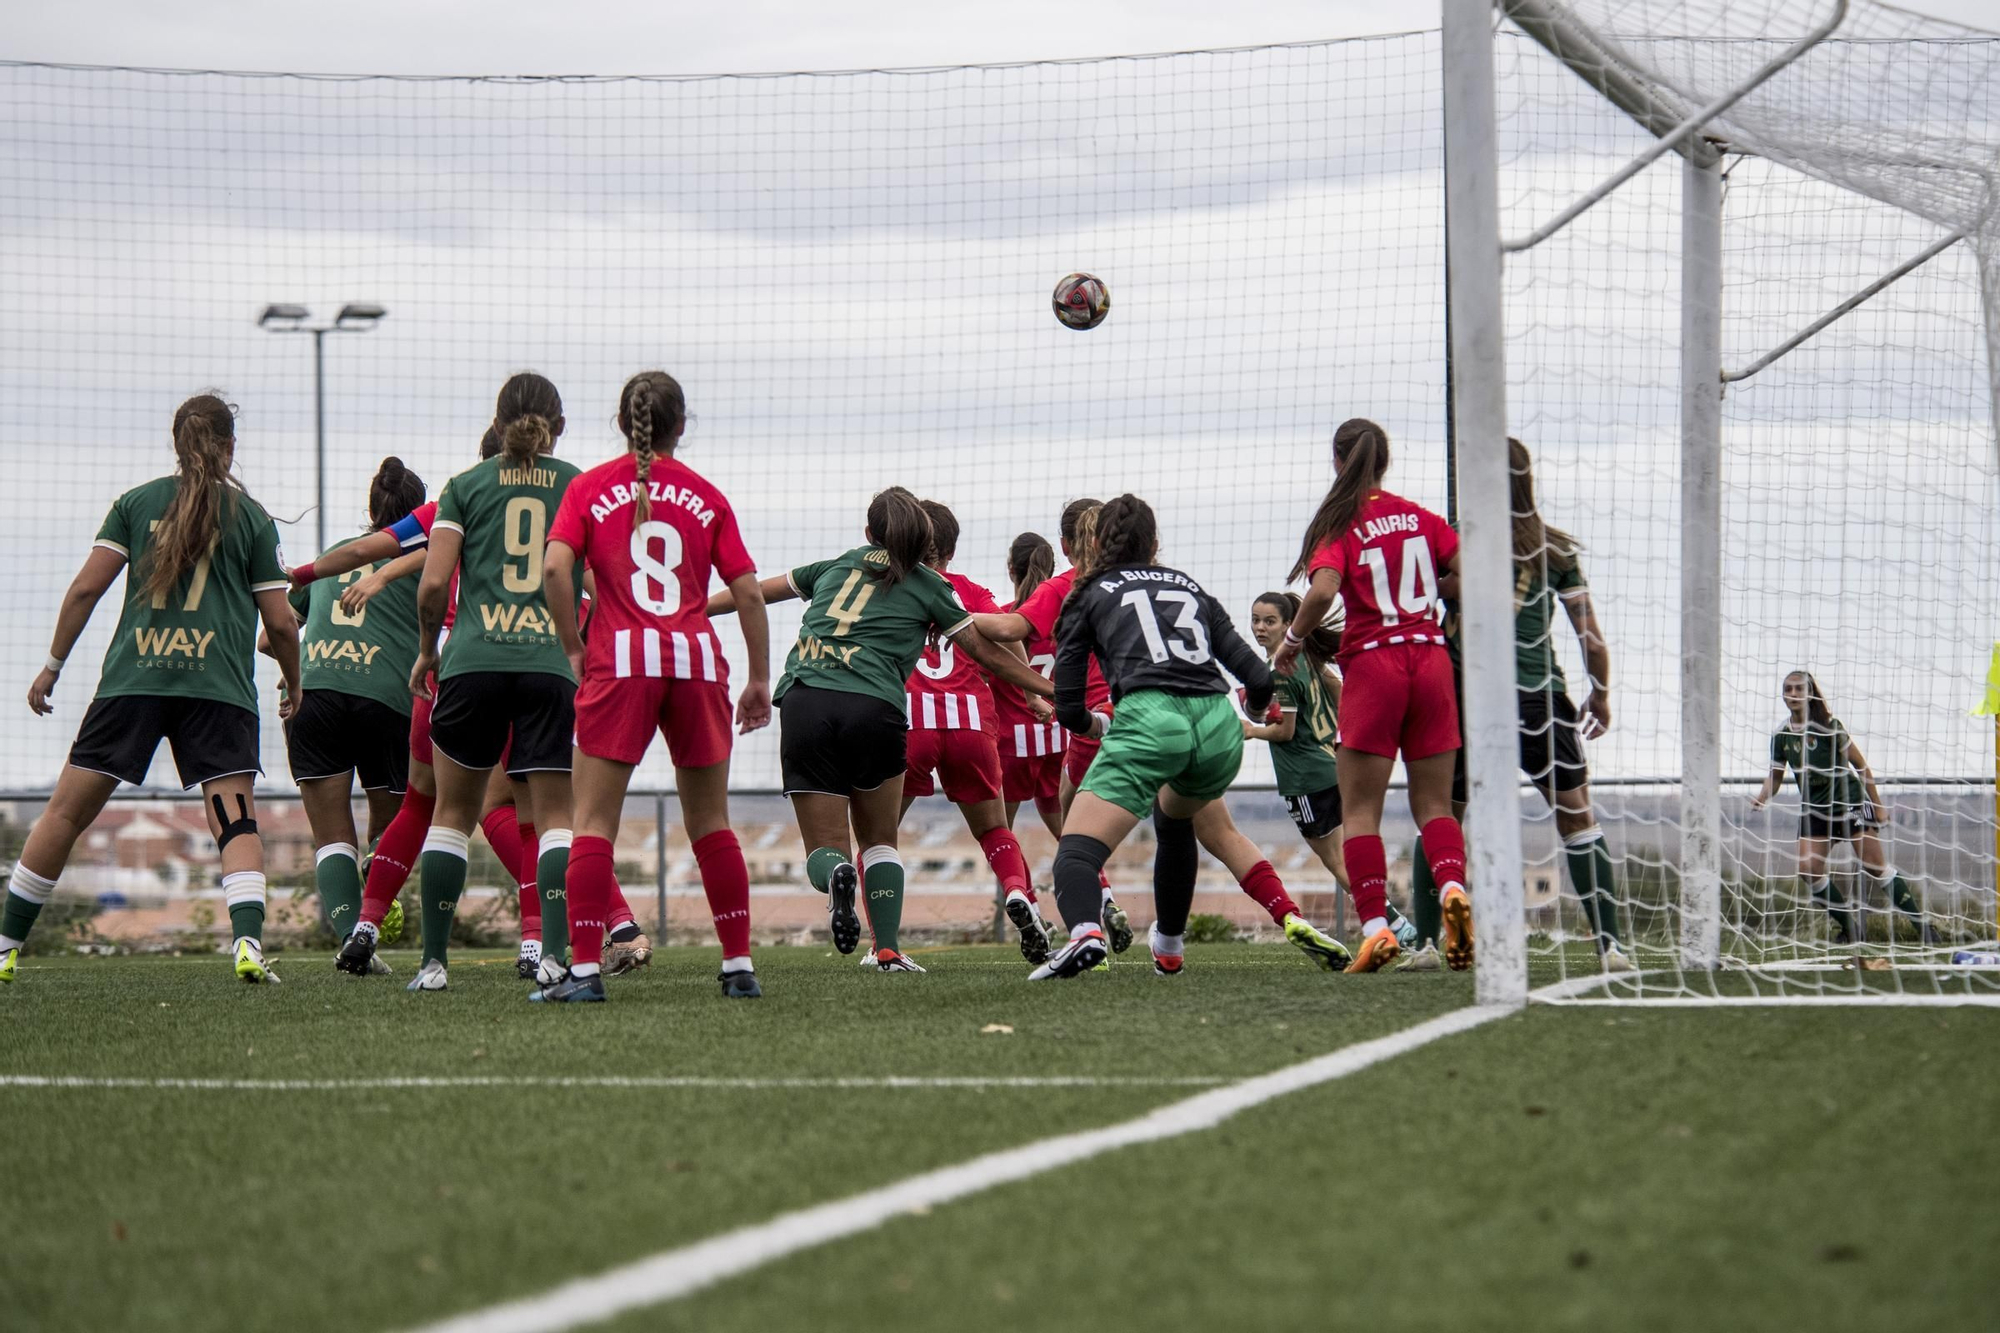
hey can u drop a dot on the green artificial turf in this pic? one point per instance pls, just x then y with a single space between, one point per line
1566 1167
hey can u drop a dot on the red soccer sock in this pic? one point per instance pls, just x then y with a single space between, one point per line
621 911
395 854
590 884
503 835
726 880
1368 876
1444 847
1268 891
527 855
1003 853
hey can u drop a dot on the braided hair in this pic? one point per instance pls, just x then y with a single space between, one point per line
652 411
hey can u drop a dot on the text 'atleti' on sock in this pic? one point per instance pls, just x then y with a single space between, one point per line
1003 853
396 854
725 878
1268 891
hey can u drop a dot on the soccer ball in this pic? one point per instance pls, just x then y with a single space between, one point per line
1081 301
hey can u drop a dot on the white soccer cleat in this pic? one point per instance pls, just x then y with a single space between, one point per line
550 971
429 977
378 968
1080 955
1615 960
868 959
888 960
1423 960
248 957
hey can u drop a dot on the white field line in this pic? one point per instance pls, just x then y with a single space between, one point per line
749 1084
1576 991
677 1272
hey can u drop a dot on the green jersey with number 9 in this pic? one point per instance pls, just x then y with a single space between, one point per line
503 510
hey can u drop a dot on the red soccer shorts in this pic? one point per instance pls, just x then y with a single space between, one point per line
1037 778
1399 697
1078 755
616 718
967 760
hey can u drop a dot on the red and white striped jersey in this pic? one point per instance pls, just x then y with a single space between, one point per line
674 655
1021 735
948 691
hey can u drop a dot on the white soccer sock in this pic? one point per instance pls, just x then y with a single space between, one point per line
346 849
584 969
1169 946
552 840
449 841
26 885
741 964
1082 928
1373 924
243 886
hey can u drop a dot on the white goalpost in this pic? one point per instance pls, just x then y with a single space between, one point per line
1772 371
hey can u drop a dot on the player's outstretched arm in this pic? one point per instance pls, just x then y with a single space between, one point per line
753 706
383 545
99 572
281 629
433 595
1004 626
1002 664
1313 607
778 589
1596 659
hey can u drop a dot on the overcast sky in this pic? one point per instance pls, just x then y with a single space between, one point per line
648 37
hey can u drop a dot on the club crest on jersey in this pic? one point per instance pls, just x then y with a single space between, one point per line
662 493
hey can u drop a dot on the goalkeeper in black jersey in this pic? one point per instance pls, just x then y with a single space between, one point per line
1178 741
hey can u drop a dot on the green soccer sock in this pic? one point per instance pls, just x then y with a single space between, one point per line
1905 901
338 874
821 865
1596 887
441 881
882 891
1425 909
551 872
1828 896
243 892
26 892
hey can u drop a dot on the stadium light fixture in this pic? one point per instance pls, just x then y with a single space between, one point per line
288 317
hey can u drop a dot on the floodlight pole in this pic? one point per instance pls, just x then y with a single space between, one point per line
1701 562
1486 556
319 434
354 317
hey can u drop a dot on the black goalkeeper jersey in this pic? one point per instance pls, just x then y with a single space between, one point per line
1152 628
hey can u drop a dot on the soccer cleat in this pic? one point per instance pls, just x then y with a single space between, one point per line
250 964
1377 952
1324 949
888 960
740 986
429 977
571 990
550 971
1080 955
392 922
378 968
1423 960
357 951
1117 925
1034 939
868 959
841 887
1456 905
1165 964
1615 959
8 959
628 956
528 959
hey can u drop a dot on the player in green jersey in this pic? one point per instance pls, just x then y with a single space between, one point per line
205 569
844 730
1838 802
1548 572
354 717
504 686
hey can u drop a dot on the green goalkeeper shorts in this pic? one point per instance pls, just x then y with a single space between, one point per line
1192 743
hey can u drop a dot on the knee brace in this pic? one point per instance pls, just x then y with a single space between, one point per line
232 829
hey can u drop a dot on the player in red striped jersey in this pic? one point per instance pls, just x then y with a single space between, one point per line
653 530
953 719
1031 741
1390 562
1033 619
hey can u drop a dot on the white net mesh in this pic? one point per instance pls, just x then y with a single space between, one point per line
1860 524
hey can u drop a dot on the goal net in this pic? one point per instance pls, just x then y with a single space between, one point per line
1859 535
